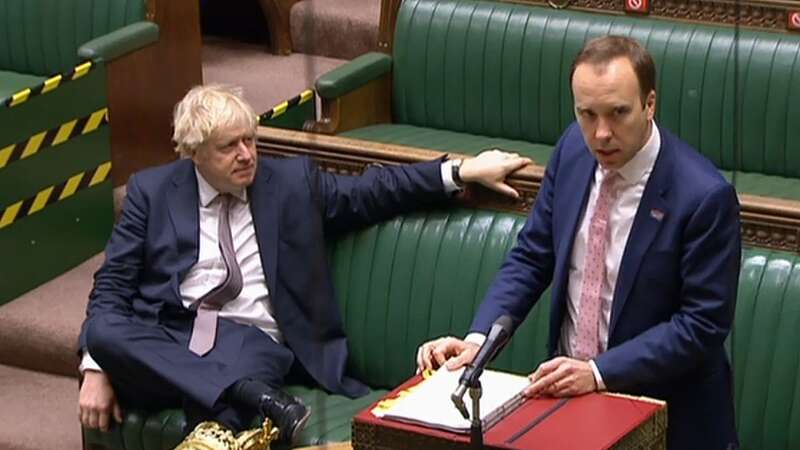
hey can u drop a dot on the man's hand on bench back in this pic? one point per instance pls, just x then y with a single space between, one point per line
490 168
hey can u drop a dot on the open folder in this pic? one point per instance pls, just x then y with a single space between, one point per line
428 403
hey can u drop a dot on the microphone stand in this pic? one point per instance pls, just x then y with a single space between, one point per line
475 393
476 428
499 333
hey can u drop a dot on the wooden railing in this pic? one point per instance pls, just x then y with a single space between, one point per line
766 222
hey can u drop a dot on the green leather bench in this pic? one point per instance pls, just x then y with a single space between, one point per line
54 128
423 275
467 75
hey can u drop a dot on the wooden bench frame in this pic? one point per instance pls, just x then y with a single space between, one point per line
766 222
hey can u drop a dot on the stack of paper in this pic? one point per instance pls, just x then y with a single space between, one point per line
429 402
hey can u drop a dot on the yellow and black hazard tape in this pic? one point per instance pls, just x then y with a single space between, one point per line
52 137
49 84
281 108
53 194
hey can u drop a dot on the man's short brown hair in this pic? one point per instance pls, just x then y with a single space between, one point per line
604 49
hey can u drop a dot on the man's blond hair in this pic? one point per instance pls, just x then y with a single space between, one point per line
207 110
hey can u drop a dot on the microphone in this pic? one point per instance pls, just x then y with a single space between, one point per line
498 336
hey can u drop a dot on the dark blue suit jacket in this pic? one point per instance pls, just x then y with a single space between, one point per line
676 289
295 207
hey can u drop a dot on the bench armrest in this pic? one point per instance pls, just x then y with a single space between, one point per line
354 74
119 42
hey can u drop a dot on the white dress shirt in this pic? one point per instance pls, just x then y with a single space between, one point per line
252 306
634 175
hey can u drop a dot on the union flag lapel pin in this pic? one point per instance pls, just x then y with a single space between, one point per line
657 214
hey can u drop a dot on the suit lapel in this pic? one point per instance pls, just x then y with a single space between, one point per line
571 206
574 205
653 209
182 203
264 205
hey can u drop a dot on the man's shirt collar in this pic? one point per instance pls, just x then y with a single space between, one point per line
208 193
643 161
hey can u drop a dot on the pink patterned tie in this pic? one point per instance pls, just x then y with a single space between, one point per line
594 272
204 330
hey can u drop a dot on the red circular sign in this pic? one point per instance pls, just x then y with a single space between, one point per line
794 19
635 4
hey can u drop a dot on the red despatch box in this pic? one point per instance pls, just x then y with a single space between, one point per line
588 422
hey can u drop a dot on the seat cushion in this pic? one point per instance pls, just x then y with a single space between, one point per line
765 185
13 82
329 422
449 141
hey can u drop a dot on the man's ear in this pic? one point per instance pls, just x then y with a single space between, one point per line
650 105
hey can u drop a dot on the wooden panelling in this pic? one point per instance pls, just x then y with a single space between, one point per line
388 19
766 222
765 14
144 86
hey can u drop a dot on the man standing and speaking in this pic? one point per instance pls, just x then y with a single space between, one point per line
639 236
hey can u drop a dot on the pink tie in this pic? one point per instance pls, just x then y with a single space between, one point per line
594 272
204 330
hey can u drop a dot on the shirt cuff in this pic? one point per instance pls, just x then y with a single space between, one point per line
447 177
475 338
87 363
598 379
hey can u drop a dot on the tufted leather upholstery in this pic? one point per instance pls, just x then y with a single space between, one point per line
420 276
42 37
501 71
764 347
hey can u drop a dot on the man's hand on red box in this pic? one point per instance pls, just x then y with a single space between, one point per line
450 351
561 377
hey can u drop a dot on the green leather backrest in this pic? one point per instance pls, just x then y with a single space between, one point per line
421 276
42 37
502 70
765 353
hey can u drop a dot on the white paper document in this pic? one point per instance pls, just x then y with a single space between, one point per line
428 403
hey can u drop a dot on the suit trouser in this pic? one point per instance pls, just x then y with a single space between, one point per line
150 365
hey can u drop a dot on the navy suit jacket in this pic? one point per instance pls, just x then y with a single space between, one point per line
674 299
295 207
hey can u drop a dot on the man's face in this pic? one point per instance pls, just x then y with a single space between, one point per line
608 106
228 159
